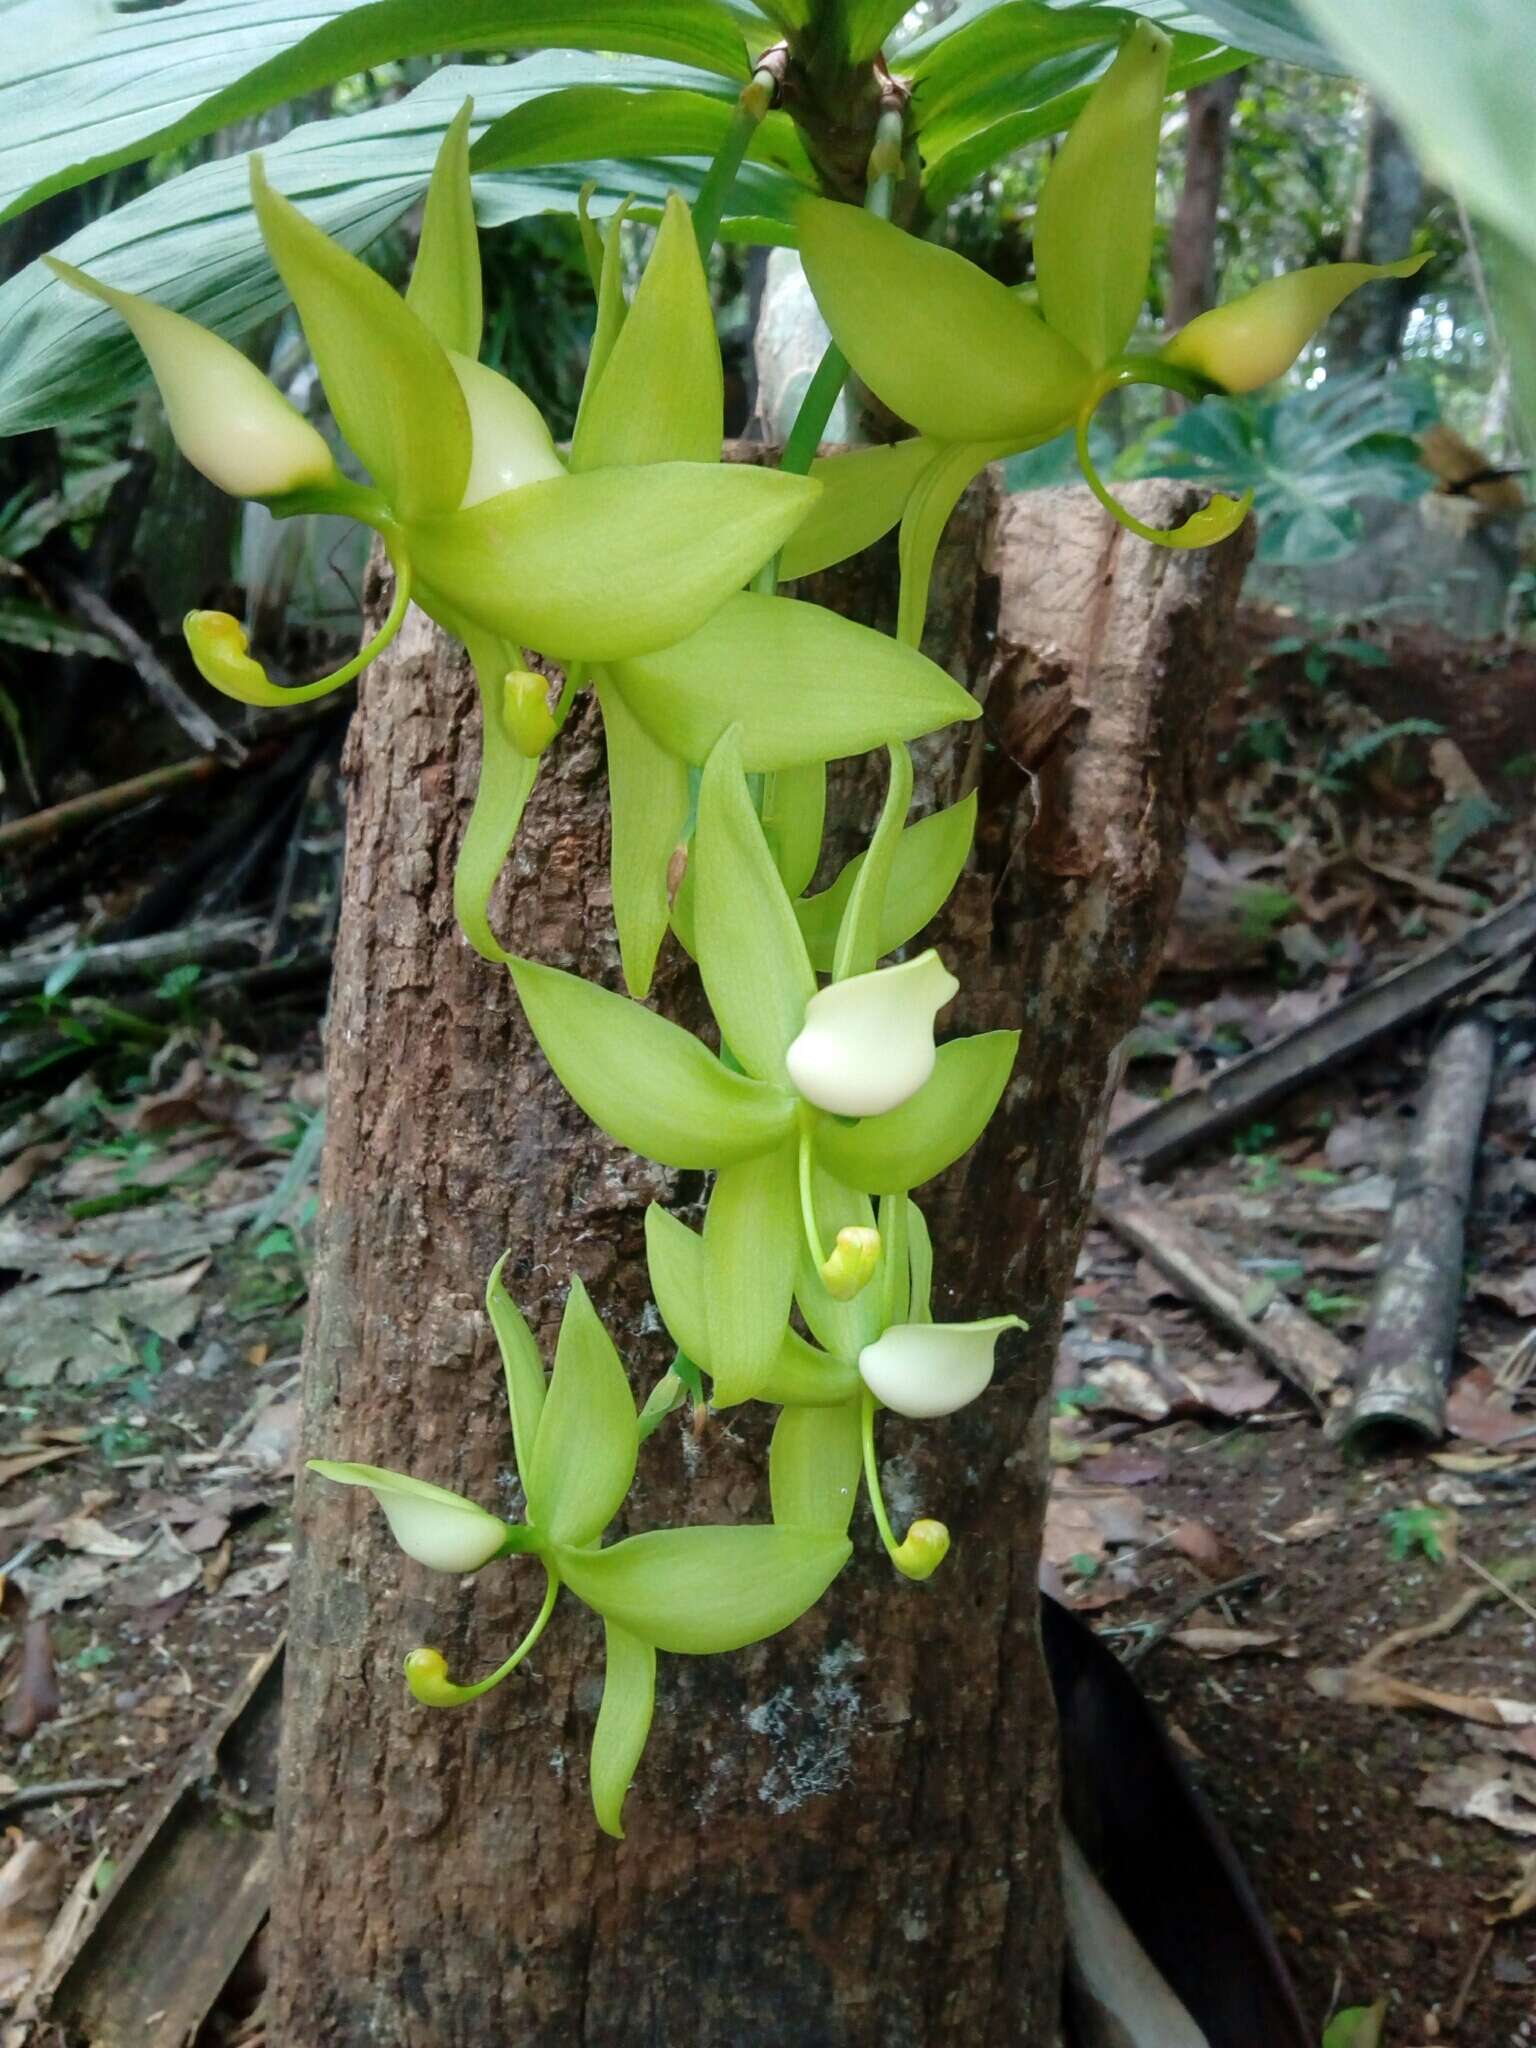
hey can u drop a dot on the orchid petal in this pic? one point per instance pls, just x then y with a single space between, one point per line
441 1530
867 1043
930 1369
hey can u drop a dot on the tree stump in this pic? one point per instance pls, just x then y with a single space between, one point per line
846 1836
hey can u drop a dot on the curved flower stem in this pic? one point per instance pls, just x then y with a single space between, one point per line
1212 522
926 1544
808 1200
756 98
426 1673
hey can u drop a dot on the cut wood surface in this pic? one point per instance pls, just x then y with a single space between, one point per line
1410 1340
889 1763
1284 1336
1237 1093
158 1950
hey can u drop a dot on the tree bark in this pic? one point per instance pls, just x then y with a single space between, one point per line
1208 111
846 1836
1367 330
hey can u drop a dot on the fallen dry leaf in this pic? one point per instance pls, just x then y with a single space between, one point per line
165 1570
84 1533
29 1461
1085 1521
1129 1390
1311 1527
1125 1468
1243 1390
1359 1686
1232 1642
19 1173
36 1698
258 1579
1483 1418
1490 1789
1217 1558
31 1886
1521 1894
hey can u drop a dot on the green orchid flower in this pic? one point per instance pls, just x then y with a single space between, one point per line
691 1591
895 305
658 1090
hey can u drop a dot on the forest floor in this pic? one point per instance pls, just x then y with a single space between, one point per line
154 1208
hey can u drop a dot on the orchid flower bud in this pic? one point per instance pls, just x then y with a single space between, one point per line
439 1529
525 711
852 1265
227 419
922 1551
1256 338
867 1043
928 1369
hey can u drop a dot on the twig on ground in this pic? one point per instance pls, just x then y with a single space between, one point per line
63 1788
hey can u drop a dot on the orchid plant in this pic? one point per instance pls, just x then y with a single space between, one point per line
641 565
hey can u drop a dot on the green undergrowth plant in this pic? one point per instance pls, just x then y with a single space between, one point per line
639 566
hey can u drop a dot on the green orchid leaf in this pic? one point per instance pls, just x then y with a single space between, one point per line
895 305
623 1723
752 958
506 783
751 1241
664 1399
842 1328
928 862
588 1441
1093 227
387 377
613 564
661 396
648 808
802 683
799 1373
920 1260
813 1467
904 1147
444 291
863 925
934 496
582 121
863 494
867 23
648 1083
794 817
524 1370
157 79
699 1591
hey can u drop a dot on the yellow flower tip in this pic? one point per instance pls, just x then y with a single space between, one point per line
1253 340
218 645
924 1550
525 711
426 1673
852 1265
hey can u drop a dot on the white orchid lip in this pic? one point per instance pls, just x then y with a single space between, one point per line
439 1529
867 1043
509 443
227 419
930 1369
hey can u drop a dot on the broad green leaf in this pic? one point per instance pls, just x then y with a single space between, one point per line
904 1147
842 1328
613 564
157 78
794 817
1093 226
867 23
929 858
506 783
895 305
444 291
813 1467
699 1591
623 1723
751 1247
524 1371
863 925
388 380
675 1259
191 243
588 1440
802 683
751 955
608 282
920 1260
863 494
1258 28
618 121
987 48
661 396
649 1084
1358 2026
936 494
648 808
